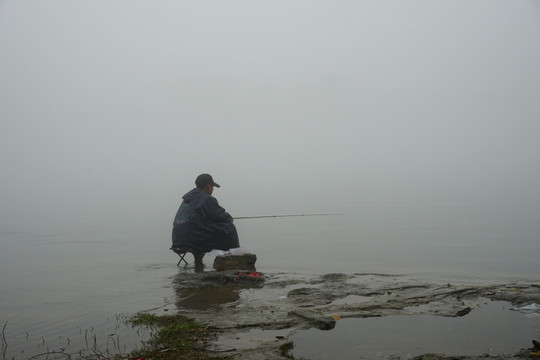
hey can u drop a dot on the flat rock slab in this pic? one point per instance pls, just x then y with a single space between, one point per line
283 303
321 322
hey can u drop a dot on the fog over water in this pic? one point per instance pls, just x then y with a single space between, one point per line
110 110
418 121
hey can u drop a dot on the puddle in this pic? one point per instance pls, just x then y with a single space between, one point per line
248 339
490 328
205 297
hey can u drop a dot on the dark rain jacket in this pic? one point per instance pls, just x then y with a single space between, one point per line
201 224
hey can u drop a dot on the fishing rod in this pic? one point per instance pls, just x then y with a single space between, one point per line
279 216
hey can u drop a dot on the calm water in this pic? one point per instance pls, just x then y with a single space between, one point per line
63 282
407 336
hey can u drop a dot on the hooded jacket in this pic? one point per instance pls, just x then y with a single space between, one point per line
201 224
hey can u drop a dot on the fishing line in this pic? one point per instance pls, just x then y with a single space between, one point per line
279 216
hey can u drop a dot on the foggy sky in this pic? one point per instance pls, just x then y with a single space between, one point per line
112 108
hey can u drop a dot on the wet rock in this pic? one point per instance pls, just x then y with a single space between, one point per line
213 277
335 277
219 278
235 262
429 357
248 278
207 297
288 302
314 296
319 321
463 312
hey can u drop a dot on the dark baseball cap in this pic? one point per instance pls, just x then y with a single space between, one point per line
205 179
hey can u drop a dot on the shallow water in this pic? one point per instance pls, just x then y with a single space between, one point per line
491 328
64 283
63 279
424 240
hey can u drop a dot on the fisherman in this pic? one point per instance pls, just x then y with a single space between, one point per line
201 225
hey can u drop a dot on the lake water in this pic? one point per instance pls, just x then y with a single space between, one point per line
407 336
64 284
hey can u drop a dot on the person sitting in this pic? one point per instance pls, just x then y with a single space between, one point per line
200 224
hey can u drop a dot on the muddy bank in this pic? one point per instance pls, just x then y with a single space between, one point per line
257 315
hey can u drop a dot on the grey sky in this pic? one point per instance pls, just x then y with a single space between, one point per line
111 108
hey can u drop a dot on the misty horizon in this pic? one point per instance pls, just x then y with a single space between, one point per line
110 110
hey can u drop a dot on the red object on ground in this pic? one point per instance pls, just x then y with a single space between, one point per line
252 274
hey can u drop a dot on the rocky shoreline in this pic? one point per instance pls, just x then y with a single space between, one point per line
256 315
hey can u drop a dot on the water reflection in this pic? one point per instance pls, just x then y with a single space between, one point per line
490 328
204 296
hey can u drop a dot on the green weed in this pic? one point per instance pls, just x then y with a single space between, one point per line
176 337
